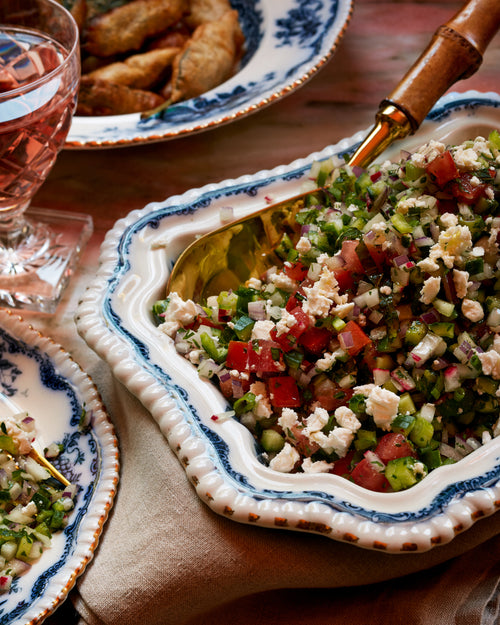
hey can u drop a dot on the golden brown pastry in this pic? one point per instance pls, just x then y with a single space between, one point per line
201 11
99 97
127 27
140 71
208 58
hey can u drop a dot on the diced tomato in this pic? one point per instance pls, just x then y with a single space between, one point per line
284 392
265 357
353 339
304 445
368 475
348 253
465 192
315 339
378 255
296 271
392 446
345 279
295 300
368 263
328 394
289 340
237 355
342 466
443 168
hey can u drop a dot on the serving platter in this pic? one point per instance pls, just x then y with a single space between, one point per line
220 457
287 42
39 377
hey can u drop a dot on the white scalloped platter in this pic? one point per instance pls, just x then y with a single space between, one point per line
39 377
221 459
287 42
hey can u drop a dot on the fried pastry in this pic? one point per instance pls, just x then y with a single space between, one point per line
99 97
140 71
127 27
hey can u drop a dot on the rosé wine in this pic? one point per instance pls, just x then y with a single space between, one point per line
34 123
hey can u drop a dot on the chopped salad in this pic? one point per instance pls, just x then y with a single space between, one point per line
33 505
373 351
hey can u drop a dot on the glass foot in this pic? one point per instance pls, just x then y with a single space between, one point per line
34 274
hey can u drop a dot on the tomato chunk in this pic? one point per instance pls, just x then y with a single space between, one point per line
295 271
237 355
465 191
288 340
315 340
353 339
284 392
443 168
392 446
368 474
348 253
265 357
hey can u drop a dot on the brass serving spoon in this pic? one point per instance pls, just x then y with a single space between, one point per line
34 453
227 257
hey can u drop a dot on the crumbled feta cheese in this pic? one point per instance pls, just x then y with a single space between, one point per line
466 158
262 330
428 265
317 420
452 242
329 359
263 408
286 322
283 282
338 440
430 289
320 466
288 419
303 245
461 282
448 220
254 283
285 460
490 363
382 404
472 310
346 418
323 294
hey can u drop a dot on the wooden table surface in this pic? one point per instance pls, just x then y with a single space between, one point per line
381 42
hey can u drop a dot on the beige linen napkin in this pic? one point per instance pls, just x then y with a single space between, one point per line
165 558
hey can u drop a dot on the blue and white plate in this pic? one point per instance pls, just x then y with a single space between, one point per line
39 377
221 458
287 42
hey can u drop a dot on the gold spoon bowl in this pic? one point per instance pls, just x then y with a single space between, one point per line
227 257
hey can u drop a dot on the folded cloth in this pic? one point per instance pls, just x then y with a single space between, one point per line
165 558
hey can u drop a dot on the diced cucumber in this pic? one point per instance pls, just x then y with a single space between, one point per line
243 328
406 405
272 440
365 439
402 473
422 432
447 309
403 424
415 332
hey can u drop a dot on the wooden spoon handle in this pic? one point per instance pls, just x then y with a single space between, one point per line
455 52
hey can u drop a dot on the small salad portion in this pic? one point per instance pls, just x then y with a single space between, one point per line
33 505
373 351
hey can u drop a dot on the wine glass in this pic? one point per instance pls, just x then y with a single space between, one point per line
39 78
